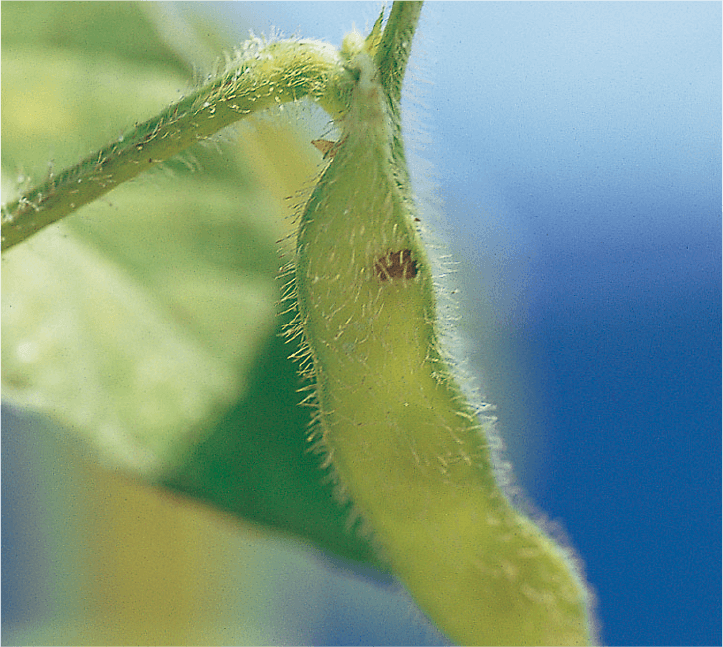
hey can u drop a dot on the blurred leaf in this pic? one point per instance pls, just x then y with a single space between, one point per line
147 322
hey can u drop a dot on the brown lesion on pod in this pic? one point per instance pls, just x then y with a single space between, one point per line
395 266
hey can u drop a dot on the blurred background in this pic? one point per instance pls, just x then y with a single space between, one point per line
568 156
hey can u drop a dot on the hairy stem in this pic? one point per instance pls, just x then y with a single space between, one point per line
396 45
277 73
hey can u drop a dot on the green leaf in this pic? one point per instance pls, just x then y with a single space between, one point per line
148 322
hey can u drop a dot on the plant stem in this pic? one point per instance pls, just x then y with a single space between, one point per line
391 60
396 45
277 73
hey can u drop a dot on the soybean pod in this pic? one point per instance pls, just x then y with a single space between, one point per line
407 447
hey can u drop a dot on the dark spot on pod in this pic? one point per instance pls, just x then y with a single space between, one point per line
396 265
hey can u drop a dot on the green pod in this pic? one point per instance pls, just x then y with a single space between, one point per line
406 446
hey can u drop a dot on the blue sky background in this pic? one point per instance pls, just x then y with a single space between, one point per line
576 149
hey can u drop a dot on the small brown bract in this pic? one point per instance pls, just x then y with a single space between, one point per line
327 148
396 265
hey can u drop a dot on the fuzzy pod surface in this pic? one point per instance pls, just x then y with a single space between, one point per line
403 441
